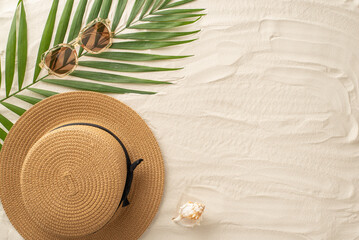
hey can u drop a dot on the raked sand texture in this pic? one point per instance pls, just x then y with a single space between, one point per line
261 125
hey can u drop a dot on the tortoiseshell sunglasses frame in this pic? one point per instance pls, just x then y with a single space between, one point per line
77 42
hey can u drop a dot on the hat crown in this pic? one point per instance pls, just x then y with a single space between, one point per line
72 180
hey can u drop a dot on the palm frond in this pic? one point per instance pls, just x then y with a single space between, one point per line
152 25
143 17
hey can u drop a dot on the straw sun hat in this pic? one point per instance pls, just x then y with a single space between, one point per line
71 168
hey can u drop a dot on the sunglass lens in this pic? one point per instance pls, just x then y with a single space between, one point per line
61 60
96 38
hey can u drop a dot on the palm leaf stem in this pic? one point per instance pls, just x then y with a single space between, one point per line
23 88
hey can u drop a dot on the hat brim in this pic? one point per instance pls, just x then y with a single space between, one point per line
147 188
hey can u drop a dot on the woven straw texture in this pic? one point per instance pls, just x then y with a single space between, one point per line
67 183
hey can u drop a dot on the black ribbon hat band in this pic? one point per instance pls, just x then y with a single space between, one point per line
130 166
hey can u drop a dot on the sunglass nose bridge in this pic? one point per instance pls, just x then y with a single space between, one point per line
76 42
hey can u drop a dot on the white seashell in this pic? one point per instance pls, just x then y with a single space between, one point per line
190 214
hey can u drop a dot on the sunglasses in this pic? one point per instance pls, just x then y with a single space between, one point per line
62 59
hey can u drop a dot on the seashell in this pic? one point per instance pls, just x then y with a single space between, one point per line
190 214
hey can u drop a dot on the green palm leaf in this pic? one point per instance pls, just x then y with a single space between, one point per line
77 21
152 25
179 3
135 10
172 17
28 99
113 78
133 56
94 10
123 67
18 110
176 11
144 45
5 122
88 86
45 93
162 25
106 5
46 37
10 55
154 35
22 46
121 5
64 22
2 134
164 4
155 6
146 7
